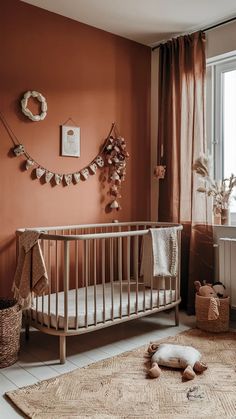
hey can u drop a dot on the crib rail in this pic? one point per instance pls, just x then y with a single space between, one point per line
99 226
95 278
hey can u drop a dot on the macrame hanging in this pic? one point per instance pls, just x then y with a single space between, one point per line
112 158
115 158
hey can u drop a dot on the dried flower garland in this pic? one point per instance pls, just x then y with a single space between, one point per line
27 112
115 158
219 190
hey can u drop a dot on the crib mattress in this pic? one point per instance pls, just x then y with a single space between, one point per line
103 311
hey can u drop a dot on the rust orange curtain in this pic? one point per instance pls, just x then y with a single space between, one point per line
181 139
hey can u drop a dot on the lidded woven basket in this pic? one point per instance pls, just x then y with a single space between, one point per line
10 327
221 324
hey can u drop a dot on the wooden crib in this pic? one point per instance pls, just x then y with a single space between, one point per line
94 279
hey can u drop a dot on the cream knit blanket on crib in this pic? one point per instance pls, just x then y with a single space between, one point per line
160 252
31 274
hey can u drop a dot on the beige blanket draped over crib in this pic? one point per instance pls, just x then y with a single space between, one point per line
31 274
159 253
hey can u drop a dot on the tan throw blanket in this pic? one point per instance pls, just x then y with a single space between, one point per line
159 253
213 312
31 274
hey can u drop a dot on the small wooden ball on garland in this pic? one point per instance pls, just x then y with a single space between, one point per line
116 156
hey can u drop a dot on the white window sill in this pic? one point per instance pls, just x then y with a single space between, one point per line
224 226
223 231
232 222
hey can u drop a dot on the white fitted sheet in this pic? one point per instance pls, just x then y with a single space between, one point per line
57 319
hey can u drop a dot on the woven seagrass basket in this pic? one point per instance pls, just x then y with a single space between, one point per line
10 326
221 324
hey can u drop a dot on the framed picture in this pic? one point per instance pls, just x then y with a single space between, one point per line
70 141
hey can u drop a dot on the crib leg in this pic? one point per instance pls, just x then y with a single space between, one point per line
177 315
62 349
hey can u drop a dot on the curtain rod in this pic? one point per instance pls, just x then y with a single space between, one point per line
208 28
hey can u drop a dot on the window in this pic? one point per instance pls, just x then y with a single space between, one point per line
221 119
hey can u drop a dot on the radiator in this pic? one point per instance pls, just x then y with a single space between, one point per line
227 267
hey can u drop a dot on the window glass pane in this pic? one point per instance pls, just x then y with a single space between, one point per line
229 126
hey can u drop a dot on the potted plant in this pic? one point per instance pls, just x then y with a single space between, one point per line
220 190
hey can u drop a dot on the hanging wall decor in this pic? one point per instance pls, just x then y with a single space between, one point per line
115 158
159 172
27 112
70 141
111 159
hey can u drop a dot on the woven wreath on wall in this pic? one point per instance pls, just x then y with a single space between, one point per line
27 112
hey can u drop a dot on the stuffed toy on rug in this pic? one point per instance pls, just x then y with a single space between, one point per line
175 356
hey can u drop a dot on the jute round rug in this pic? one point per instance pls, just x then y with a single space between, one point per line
119 387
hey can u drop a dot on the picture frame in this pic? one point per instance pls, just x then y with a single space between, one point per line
70 141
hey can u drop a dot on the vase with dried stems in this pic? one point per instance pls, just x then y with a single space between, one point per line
220 190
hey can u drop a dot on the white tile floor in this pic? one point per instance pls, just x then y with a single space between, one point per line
38 358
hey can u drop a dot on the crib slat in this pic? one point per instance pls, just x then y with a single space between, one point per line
57 278
37 301
135 256
112 277
128 272
89 259
95 279
120 271
144 297
62 257
49 282
104 278
83 263
66 281
164 281
136 269
76 283
158 290
151 291
177 292
177 279
86 261
42 319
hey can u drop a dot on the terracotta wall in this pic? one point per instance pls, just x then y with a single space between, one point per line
89 75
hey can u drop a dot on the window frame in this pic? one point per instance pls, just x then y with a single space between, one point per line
215 116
